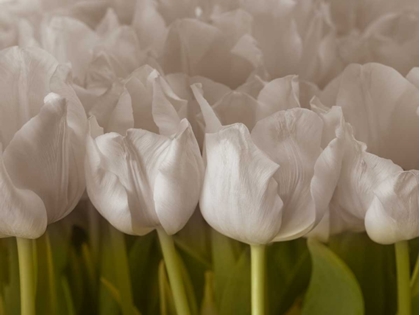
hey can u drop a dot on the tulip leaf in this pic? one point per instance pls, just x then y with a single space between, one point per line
237 292
373 267
333 289
116 294
288 270
143 259
67 296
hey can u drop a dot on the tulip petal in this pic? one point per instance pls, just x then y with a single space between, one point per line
292 139
42 157
24 82
239 196
213 123
22 212
361 173
393 215
105 189
69 40
413 76
381 106
178 184
113 110
279 94
164 113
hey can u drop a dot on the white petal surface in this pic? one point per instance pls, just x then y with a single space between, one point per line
24 81
393 215
239 196
42 157
292 139
381 106
22 212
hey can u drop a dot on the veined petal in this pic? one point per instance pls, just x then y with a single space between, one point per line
24 82
42 158
163 110
381 106
22 212
105 189
239 196
361 173
179 180
113 110
69 40
292 139
393 215
212 122
279 94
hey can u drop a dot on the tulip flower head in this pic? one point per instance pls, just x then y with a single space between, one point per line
42 142
378 186
148 178
270 184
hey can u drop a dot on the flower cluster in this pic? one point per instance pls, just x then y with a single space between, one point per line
279 118
292 133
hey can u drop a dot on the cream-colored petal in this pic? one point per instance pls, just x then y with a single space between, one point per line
239 197
22 212
179 180
44 156
292 139
69 40
381 106
212 122
113 110
361 173
105 189
24 82
413 76
393 215
279 94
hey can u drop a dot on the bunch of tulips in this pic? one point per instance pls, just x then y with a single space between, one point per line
209 157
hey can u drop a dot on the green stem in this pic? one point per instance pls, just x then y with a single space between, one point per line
174 272
27 276
121 270
403 278
258 279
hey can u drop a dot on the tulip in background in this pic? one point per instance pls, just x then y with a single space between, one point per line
42 139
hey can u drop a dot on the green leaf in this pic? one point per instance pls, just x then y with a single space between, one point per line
374 268
288 273
333 289
143 259
116 294
12 289
237 292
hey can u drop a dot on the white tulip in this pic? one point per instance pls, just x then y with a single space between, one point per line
42 140
148 178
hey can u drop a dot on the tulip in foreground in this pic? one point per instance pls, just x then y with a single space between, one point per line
272 184
42 152
144 180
